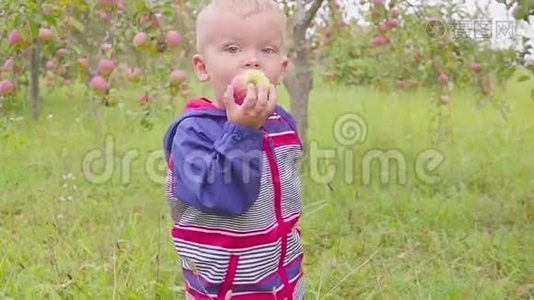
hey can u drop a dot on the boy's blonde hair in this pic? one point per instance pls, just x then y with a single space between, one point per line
244 8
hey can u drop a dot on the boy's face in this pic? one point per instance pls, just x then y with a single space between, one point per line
232 43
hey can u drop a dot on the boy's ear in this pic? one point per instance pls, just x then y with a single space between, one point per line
200 68
285 70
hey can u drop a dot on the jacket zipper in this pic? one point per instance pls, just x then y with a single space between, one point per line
275 175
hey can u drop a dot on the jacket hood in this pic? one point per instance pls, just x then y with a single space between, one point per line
194 107
202 106
199 107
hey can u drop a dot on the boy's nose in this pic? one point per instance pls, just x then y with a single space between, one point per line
252 64
252 61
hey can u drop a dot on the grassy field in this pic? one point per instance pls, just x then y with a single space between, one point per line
469 236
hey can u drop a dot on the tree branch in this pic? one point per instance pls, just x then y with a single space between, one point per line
310 14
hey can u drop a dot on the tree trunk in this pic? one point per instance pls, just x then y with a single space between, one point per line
299 81
35 68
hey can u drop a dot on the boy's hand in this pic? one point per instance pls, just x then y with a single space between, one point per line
258 105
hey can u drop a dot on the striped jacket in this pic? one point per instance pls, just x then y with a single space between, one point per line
235 198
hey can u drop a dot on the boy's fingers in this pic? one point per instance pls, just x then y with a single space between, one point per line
250 98
261 103
273 100
228 98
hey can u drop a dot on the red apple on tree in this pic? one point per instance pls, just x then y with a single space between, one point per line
443 78
7 88
61 71
140 39
475 67
99 85
172 38
106 66
133 74
61 52
83 61
380 40
51 64
154 19
9 64
14 37
142 19
392 23
177 76
45 34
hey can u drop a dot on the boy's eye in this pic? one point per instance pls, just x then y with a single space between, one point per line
232 49
269 51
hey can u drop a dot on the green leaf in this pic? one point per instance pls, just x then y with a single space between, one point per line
78 26
34 26
51 20
167 10
523 78
140 5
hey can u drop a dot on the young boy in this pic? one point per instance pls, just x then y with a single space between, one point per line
233 182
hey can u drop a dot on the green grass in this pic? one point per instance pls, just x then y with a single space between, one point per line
470 236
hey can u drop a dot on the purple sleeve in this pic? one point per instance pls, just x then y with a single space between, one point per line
220 176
